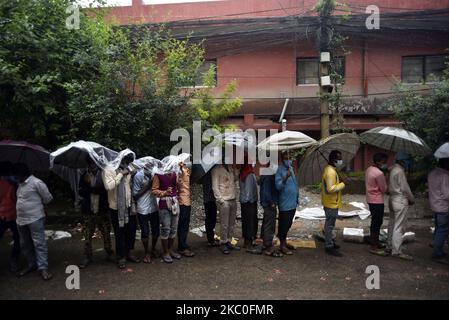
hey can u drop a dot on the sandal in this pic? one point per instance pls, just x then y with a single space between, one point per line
286 251
213 244
121 264
254 250
187 253
146 259
224 249
167 259
274 254
175 255
133 259
379 252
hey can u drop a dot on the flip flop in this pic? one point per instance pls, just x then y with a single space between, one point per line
167 259
122 264
175 255
146 259
274 254
187 253
256 250
133 259
379 252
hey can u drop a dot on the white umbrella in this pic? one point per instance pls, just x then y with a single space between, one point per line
395 139
286 140
239 139
442 151
316 158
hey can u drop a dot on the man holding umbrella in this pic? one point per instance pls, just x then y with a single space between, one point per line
331 198
439 202
401 197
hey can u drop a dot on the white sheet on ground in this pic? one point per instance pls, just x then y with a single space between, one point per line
317 213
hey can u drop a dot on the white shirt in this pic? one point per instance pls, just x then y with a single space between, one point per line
32 194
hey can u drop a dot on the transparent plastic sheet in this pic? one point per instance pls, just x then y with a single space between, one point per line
171 164
76 155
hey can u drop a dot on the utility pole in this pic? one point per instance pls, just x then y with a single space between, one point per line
325 11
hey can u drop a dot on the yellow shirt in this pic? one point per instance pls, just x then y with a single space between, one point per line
331 188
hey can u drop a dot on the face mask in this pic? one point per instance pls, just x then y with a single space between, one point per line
188 165
339 163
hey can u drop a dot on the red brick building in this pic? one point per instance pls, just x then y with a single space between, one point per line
269 48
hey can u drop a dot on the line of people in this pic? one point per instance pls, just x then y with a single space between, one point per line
160 203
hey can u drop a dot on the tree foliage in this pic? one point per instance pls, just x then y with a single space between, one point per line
212 110
100 82
427 115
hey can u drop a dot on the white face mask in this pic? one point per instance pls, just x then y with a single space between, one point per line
339 163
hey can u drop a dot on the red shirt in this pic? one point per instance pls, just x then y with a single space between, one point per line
7 200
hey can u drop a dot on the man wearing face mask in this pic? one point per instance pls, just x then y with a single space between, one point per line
376 187
401 197
331 198
287 186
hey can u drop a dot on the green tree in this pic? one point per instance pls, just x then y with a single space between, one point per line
135 101
427 115
213 110
39 55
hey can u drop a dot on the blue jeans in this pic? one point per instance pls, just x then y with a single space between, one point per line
440 234
331 217
34 245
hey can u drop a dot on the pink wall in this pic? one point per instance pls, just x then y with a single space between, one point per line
271 72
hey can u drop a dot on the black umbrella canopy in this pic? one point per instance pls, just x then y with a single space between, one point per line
34 156
316 158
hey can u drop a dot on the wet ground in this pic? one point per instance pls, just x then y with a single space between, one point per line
308 274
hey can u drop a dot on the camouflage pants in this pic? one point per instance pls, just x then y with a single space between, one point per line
103 222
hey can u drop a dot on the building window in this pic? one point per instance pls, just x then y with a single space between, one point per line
418 69
207 64
308 69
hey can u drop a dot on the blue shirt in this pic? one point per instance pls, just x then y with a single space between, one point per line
288 190
248 189
147 202
268 192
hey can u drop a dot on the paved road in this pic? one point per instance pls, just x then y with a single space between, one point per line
308 274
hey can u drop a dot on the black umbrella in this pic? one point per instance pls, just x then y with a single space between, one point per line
34 156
